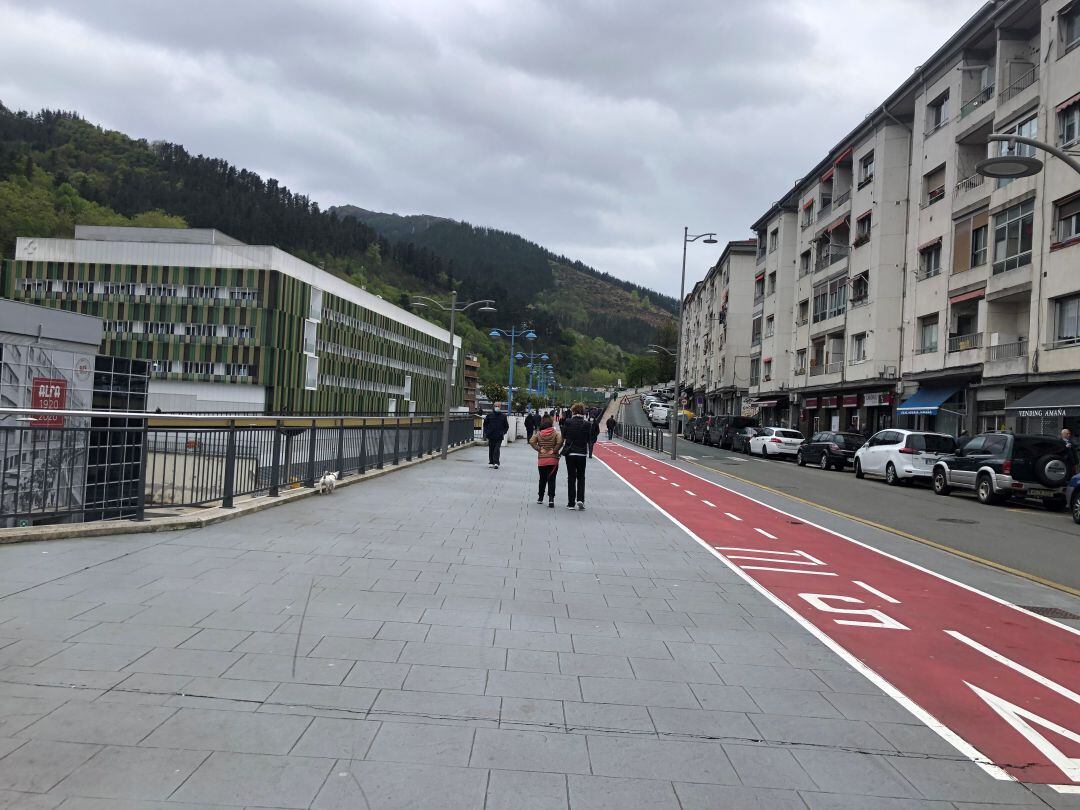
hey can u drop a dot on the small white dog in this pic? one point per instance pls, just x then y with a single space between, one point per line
326 484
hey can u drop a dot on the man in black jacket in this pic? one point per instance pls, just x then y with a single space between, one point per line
531 422
496 426
577 434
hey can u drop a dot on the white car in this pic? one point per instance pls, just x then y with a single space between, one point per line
776 441
659 415
902 455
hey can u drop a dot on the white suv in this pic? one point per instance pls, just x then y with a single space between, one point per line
902 455
776 441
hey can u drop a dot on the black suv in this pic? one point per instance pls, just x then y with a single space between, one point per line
999 466
829 449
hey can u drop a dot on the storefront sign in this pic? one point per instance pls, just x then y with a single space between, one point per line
876 400
851 400
810 403
49 393
828 402
1040 412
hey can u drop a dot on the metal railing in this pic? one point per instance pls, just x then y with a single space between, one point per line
978 100
651 438
961 343
1007 351
841 198
831 254
968 183
817 369
835 367
1021 84
825 210
103 465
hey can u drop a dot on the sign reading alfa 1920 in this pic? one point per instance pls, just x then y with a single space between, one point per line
49 393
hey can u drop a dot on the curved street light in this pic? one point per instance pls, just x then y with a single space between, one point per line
423 302
1011 166
708 239
513 333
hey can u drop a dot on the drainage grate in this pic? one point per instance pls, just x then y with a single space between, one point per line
961 521
1051 612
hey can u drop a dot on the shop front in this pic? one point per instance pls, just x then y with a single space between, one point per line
1046 410
938 408
863 413
877 411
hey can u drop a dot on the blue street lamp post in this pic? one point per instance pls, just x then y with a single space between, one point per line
532 357
513 333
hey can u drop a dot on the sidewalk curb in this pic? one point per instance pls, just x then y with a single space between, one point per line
207 517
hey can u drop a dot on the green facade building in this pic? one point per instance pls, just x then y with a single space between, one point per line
231 327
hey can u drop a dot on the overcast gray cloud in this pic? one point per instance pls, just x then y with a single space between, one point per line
595 127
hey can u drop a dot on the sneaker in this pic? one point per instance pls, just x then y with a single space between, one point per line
539 500
581 506
496 466
570 506
551 504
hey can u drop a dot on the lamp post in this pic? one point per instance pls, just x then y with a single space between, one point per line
708 239
513 333
532 357
1008 166
422 302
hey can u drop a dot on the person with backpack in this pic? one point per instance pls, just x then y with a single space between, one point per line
496 425
577 433
547 443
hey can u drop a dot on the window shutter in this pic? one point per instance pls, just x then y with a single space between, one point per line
980 219
961 257
1069 209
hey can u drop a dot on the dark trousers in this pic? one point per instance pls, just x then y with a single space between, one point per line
494 447
575 479
592 444
547 481
609 435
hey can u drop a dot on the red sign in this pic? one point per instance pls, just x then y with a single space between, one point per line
49 393
828 402
851 400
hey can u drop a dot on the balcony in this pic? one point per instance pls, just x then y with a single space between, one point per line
1021 84
961 343
825 210
840 199
969 183
981 98
817 370
927 272
1007 351
835 367
831 254
928 349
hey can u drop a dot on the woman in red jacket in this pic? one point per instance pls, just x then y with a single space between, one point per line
547 443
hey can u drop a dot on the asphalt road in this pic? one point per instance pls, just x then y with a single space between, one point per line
1023 537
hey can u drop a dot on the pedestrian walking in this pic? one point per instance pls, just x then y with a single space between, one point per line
611 423
594 432
496 425
547 443
576 433
531 422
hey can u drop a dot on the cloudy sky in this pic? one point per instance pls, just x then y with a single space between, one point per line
595 127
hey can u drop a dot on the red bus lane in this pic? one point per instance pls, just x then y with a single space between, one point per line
999 683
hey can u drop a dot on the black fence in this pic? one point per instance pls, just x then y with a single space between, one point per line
48 473
651 438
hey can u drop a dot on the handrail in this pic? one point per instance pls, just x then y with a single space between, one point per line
1021 84
977 100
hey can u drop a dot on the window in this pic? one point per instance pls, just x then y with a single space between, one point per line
928 334
770 326
118 327
805 263
766 369
78 287
157 328
934 186
755 332
862 229
1067 320
860 288
1070 27
830 298
315 306
858 347
119 288
162 290
774 239
1068 220
755 370
237 370
244 294
202 292
937 113
1012 237
969 242
759 287
800 361
1028 128
240 332
821 302
200 329
866 168
930 260
1069 125
35 285
770 287
804 311
978 245
808 214
193 367
310 331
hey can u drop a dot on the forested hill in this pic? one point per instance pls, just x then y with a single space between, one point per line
58 170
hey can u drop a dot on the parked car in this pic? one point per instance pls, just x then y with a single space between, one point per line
740 439
659 415
1000 466
722 428
697 427
829 449
776 441
1072 497
902 455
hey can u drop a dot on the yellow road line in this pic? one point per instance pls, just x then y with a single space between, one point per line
906 535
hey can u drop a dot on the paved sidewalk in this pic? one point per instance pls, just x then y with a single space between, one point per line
436 639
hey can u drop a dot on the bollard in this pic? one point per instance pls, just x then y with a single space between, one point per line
275 465
341 449
311 453
230 466
397 435
363 448
379 460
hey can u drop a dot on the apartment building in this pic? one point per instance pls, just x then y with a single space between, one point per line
716 332
895 284
232 327
993 290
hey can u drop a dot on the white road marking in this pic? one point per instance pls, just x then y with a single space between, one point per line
732 458
674 484
876 592
663 478
690 458
762 531
1013 665
707 503
652 472
733 517
691 494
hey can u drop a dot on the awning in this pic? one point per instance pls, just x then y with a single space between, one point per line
1049 400
825 178
810 403
841 221
808 203
828 402
764 403
968 296
851 400
1067 103
842 156
864 215
927 400
929 244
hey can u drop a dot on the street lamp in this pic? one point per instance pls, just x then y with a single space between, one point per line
513 333
1011 166
708 239
422 302
532 357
